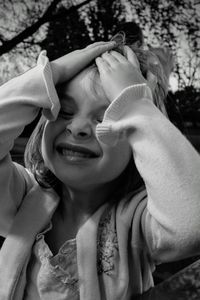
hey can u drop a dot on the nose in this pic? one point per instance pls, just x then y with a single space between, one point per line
80 128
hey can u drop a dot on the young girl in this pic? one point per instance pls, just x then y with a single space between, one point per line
111 187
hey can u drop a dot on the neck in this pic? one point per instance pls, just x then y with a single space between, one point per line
84 201
75 208
77 205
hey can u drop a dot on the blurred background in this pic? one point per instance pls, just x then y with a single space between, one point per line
60 26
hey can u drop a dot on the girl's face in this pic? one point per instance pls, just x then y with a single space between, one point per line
69 145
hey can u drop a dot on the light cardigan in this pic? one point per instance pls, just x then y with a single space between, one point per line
156 225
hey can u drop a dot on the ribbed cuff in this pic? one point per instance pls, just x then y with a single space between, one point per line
118 110
105 133
51 113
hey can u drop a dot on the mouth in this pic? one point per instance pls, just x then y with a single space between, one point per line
76 153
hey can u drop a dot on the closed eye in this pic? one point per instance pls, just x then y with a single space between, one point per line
66 114
99 120
99 117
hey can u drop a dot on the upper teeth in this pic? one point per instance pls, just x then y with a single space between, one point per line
74 153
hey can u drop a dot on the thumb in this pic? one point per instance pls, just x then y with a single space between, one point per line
131 56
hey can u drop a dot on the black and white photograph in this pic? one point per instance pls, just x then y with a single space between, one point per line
99 150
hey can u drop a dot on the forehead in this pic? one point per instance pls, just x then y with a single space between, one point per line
86 86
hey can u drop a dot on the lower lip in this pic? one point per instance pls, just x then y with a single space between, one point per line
75 157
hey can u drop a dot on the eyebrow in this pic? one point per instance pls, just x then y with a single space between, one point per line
66 99
73 101
64 95
100 108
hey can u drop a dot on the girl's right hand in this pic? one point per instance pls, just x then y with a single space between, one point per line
67 66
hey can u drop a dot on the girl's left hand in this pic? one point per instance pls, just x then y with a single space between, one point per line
117 72
66 67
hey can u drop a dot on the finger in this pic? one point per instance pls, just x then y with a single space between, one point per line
109 58
87 55
99 47
101 43
130 55
80 59
102 65
118 56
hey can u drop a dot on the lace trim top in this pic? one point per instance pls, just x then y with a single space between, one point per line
52 276
56 276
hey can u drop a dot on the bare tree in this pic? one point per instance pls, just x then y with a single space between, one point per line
48 15
28 25
23 25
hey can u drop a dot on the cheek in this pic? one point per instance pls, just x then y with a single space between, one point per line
47 146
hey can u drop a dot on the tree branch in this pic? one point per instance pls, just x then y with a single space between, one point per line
47 16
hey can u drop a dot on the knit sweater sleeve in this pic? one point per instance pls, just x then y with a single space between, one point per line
20 101
169 166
